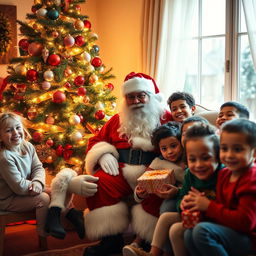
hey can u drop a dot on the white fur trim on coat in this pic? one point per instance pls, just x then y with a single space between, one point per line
143 223
105 221
96 152
132 172
142 143
59 187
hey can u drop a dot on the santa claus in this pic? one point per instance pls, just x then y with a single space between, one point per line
115 158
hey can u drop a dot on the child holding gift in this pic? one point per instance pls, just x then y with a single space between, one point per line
234 210
167 140
202 150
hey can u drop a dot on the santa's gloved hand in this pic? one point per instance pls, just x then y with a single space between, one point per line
109 164
83 185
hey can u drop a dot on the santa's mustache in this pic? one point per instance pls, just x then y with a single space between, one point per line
135 106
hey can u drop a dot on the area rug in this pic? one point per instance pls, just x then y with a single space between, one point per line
76 250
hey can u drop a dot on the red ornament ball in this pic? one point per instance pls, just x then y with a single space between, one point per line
58 97
49 142
109 86
77 8
79 81
33 9
79 40
67 85
23 44
87 24
68 146
21 87
100 114
37 136
96 62
35 49
54 60
32 75
81 91
59 150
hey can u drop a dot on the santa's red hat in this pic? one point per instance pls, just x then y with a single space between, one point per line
135 82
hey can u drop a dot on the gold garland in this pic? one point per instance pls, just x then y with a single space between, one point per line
5 37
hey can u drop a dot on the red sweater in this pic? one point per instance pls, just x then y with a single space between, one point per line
235 204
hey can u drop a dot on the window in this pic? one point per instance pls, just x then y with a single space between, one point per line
220 63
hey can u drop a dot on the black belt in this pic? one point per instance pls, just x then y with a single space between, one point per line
135 156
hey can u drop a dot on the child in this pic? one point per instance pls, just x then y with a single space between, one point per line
234 210
22 177
182 106
202 150
188 123
167 140
231 110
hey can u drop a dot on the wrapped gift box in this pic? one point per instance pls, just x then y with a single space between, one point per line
154 180
190 219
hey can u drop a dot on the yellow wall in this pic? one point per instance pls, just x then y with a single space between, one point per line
118 24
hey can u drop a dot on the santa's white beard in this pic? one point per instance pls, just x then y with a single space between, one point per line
141 119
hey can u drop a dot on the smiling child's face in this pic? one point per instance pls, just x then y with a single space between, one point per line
201 158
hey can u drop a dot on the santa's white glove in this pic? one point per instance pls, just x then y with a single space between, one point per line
83 185
109 164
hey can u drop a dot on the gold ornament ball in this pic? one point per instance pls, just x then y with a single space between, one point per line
76 136
49 160
57 2
74 119
79 24
48 75
93 78
68 71
55 34
90 68
50 120
87 56
20 69
32 113
86 99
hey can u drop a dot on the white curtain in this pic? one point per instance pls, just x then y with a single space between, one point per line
173 44
250 17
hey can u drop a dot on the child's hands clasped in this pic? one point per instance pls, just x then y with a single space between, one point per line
141 192
195 201
169 191
35 188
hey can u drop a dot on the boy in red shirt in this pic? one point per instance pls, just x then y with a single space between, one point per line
233 228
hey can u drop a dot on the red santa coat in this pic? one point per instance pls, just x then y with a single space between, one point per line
106 204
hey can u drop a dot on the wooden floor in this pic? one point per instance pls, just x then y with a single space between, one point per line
22 239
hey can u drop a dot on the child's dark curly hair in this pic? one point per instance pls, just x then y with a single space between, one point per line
170 129
202 130
189 98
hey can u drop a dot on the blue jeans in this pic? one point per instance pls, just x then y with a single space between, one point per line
168 205
215 240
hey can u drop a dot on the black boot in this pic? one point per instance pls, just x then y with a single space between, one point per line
108 245
53 224
77 219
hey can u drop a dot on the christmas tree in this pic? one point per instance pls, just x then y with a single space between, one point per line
59 83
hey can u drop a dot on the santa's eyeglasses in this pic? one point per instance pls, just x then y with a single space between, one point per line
132 96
